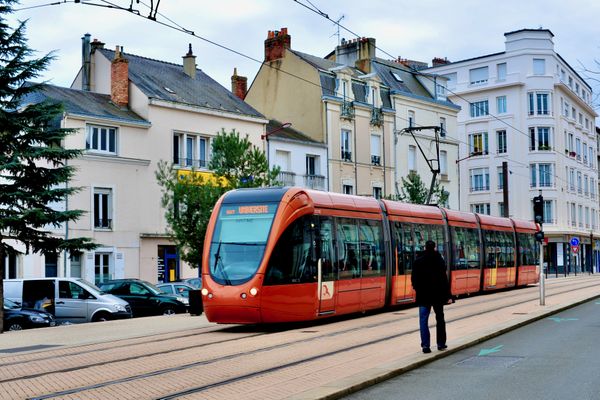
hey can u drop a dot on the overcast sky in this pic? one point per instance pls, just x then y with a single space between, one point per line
418 30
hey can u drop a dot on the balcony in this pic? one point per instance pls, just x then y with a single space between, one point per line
189 163
347 110
346 156
376 117
287 178
480 188
316 182
376 160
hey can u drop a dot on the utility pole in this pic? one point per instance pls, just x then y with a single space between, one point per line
538 214
434 170
505 187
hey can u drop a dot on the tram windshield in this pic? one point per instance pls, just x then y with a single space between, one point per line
239 241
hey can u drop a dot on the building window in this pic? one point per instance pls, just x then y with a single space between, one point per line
412 158
481 208
102 270
566 109
586 186
501 104
348 189
501 210
539 66
572 179
51 265
578 148
539 103
501 71
479 109
101 139
375 149
478 143
500 178
311 165
501 141
539 138
442 127
190 150
102 208
444 162
377 192
478 76
548 211
573 215
411 118
480 179
580 215
579 183
346 145
541 175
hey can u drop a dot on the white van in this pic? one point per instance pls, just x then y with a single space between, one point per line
68 299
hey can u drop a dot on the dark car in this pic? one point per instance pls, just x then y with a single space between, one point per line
17 318
143 297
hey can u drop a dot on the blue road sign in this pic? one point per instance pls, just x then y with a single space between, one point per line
574 241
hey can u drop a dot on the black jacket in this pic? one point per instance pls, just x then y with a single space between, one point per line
429 279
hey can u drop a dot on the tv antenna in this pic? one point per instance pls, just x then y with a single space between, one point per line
337 23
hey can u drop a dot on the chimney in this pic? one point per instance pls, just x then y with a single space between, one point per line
85 62
356 53
189 63
276 43
239 85
412 64
96 44
119 79
437 61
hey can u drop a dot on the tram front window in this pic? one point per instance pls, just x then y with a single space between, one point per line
239 241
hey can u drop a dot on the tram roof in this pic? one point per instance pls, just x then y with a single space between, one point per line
460 216
488 220
523 224
412 210
343 201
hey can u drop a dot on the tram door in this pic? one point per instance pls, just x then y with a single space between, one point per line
403 257
323 240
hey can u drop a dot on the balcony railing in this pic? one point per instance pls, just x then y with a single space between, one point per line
376 117
347 110
287 178
346 155
376 160
189 163
480 188
103 223
316 182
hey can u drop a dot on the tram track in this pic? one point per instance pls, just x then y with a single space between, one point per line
265 371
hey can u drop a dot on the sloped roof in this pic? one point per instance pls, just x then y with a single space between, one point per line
315 61
83 103
167 81
288 133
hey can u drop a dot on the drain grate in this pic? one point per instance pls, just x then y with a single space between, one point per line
520 313
309 331
488 361
29 348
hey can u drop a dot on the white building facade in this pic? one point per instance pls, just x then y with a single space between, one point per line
528 107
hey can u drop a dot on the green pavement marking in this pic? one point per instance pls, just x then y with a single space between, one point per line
598 302
557 319
485 352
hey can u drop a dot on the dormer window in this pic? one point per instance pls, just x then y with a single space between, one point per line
397 77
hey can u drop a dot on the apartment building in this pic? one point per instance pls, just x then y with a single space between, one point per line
130 112
528 107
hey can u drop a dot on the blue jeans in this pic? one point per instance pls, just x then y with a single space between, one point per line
440 330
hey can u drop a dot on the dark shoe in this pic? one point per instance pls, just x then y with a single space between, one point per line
426 350
443 347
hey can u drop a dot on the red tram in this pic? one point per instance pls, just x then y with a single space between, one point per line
292 254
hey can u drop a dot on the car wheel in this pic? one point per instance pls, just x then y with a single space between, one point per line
15 326
101 317
168 311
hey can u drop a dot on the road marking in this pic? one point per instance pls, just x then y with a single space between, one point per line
485 352
557 319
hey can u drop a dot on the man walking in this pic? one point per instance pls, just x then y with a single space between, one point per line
430 281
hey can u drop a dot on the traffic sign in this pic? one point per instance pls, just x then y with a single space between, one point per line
575 249
574 241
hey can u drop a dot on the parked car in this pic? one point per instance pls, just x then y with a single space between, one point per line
143 297
17 318
67 299
179 289
195 282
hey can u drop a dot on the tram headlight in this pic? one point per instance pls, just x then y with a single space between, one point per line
243 295
253 291
204 291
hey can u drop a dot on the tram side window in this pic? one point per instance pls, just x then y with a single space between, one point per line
404 247
423 233
348 249
528 249
492 249
465 247
324 243
371 248
293 259
508 249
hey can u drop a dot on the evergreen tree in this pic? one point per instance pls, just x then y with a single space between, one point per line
189 198
34 170
414 191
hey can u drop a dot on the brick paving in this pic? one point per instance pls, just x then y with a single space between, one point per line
151 358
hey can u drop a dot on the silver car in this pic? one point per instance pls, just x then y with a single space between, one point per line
179 289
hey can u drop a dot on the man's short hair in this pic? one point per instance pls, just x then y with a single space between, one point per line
430 245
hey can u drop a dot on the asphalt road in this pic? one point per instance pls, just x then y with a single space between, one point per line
554 358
